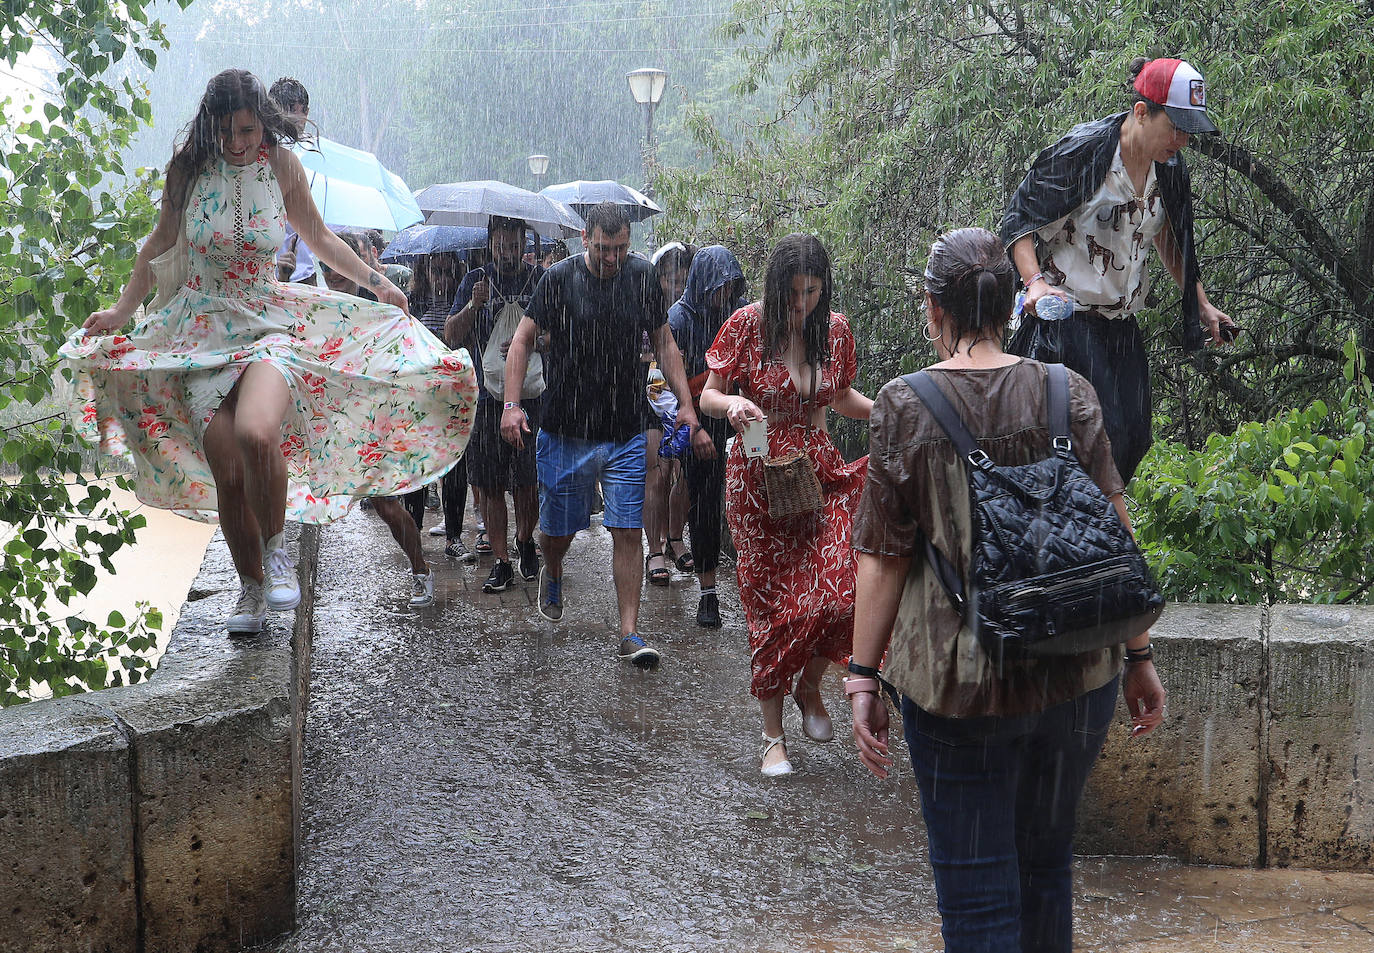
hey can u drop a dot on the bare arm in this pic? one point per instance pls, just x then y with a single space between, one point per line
736 408
851 403
878 585
514 424
1213 319
1141 687
165 234
1028 266
326 246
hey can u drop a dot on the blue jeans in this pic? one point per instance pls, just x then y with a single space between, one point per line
999 797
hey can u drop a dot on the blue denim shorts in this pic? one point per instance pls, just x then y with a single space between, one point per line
568 471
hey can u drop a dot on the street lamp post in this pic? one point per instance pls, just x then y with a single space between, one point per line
539 165
647 86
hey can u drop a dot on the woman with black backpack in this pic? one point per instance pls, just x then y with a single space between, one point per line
1001 747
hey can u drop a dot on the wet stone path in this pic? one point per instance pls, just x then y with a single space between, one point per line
477 778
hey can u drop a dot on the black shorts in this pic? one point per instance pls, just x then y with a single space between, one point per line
494 464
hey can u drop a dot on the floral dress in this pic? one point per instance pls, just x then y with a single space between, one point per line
796 575
378 405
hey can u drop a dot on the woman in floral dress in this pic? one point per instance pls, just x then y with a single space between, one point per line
786 359
251 400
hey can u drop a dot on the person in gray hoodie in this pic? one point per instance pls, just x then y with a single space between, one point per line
715 290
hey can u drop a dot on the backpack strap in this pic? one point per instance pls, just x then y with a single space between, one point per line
947 417
1057 404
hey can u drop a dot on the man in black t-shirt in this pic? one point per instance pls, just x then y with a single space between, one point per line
595 309
495 466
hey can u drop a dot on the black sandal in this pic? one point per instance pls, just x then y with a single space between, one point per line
685 562
659 576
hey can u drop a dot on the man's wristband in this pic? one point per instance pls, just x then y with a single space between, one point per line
863 670
1140 655
512 403
1033 279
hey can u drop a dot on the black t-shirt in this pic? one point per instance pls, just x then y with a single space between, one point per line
517 287
594 375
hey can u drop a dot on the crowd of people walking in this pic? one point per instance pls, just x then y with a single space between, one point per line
655 392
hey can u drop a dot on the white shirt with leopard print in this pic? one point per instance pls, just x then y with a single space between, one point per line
1097 252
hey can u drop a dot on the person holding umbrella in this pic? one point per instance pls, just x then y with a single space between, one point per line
1079 228
479 318
595 307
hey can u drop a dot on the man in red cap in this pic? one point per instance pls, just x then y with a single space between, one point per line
1079 229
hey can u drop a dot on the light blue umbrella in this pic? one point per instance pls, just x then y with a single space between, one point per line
474 203
353 189
582 195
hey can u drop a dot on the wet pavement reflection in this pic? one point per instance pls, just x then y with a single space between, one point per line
477 778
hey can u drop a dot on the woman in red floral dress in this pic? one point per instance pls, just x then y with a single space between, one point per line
786 359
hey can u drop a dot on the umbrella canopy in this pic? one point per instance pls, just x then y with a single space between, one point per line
474 203
352 189
430 239
582 195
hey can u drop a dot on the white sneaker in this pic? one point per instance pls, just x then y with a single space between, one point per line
439 530
283 591
251 612
422 590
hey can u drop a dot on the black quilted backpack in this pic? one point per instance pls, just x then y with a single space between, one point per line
1053 569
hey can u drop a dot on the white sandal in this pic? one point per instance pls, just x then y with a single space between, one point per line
783 767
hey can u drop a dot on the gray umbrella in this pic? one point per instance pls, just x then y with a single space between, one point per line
582 195
474 203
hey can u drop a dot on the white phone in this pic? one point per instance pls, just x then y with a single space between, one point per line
755 437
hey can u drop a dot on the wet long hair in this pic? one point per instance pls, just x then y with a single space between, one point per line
797 254
972 280
200 141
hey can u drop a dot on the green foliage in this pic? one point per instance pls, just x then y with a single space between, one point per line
901 119
66 247
1280 511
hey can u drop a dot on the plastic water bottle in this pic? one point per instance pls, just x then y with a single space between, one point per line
1052 307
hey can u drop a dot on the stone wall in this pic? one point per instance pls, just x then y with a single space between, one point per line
163 816
1267 755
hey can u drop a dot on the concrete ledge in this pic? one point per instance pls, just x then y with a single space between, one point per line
1265 758
1320 753
163 816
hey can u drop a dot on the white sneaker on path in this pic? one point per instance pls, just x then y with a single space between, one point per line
281 589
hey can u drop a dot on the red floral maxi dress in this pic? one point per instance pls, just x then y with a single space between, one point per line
796 575
378 405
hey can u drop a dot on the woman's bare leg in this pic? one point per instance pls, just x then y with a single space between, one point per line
237 522
771 709
655 498
403 530
263 398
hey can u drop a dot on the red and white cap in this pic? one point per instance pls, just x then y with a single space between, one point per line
1180 89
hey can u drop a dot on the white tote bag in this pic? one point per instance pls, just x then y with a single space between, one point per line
494 357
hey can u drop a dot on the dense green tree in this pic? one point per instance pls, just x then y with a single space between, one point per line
65 249
901 119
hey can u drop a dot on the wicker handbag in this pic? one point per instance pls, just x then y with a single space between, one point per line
790 485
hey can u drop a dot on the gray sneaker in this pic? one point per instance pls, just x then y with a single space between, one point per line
251 612
637 652
550 596
456 550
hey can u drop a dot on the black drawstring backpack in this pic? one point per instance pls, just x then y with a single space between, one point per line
1053 570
